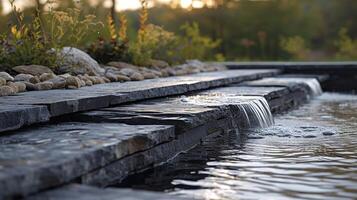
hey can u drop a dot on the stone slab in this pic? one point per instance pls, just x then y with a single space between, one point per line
164 111
62 102
51 155
82 192
15 116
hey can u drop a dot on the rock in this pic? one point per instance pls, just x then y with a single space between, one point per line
35 79
170 72
6 91
136 77
78 62
6 76
47 76
128 71
23 77
18 86
149 75
88 83
122 78
13 87
83 83
73 82
122 65
105 79
58 82
112 77
44 85
30 86
158 63
65 75
2 81
35 70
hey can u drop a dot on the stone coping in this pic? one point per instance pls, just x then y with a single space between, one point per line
61 102
51 155
336 65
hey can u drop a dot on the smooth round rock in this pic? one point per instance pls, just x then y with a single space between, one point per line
122 78
58 82
2 81
30 86
35 70
23 77
6 91
20 86
47 76
6 76
34 80
73 82
44 85
136 76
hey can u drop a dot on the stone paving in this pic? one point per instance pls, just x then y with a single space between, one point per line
60 102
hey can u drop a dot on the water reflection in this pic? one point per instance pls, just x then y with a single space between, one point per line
311 153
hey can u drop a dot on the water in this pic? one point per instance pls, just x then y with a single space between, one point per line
312 83
255 109
310 153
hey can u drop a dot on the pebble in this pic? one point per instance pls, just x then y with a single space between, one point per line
6 76
58 82
47 76
136 76
23 77
73 82
2 81
6 91
123 78
44 85
30 86
17 86
34 80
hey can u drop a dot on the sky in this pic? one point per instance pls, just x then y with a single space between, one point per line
121 4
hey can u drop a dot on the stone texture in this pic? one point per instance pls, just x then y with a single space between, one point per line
48 156
7 90
82 192
6 76
18 86
2 81
46 76
77 62
35 70
60 102
13 117
44 85
73 82
23 77
58 82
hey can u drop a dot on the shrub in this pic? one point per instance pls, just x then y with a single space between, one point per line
114 49
347 47
295 46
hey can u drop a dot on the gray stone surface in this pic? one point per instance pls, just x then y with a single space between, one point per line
15 116
82 192
48 156
165 111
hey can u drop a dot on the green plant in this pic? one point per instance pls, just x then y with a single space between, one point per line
193 45
114 49
347 47
25 43
295 46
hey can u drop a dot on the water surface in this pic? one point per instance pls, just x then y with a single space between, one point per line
310 153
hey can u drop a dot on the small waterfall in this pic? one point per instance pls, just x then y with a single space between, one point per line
252 111
312 83
256 113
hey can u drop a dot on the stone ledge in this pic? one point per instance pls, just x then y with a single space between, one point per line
15 116
32 160
60 102
82 192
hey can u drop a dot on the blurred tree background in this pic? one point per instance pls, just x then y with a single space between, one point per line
246 29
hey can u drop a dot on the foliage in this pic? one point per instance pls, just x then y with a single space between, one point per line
295 46
25 43
114 49
347 47
38 41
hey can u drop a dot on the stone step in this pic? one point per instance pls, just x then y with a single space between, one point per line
52 155
79 192
61 102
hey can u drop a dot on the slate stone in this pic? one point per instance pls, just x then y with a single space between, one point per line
13 117
82 192
48 156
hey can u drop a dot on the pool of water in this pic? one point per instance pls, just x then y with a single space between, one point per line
310 153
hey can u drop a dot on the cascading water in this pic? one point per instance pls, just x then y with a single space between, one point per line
312 83
253 111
